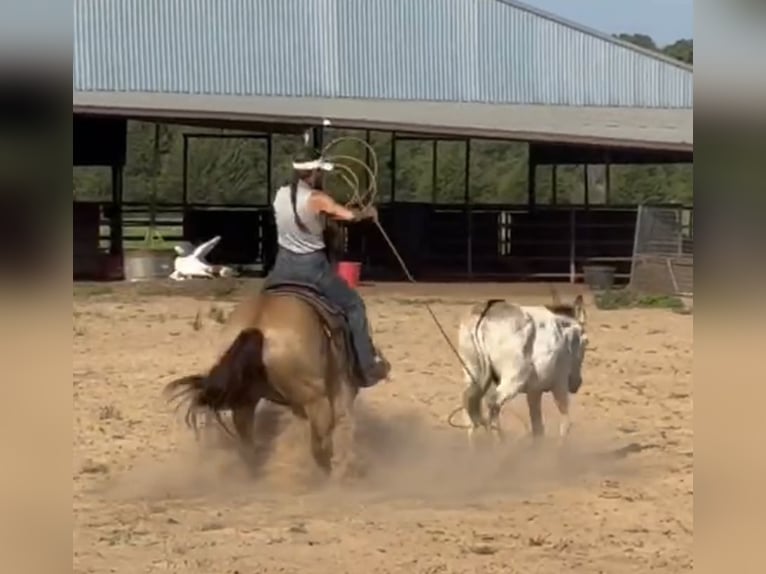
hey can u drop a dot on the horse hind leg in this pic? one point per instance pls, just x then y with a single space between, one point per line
243 418
320 415
345 463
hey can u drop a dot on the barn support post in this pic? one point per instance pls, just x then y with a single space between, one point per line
185 173
317 137
115 217
608 180
468 210
269 174
531 179
586 185
157 169
367 158
572 243
364 255
636 235
434 169
393 168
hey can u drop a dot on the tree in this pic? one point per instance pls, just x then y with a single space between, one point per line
681 50
639 40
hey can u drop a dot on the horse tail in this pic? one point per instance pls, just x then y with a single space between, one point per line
228 384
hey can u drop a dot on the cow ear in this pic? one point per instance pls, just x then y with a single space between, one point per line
579 310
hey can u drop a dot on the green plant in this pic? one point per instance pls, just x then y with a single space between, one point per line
660 302
217 314
627 299
197 322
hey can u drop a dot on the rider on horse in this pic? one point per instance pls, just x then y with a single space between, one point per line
300 210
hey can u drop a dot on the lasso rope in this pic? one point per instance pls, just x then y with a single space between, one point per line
349 177
345 171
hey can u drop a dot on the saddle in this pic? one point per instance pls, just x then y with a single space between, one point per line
330 314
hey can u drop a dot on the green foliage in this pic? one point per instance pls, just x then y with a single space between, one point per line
627 299
641 40
234 170
680 49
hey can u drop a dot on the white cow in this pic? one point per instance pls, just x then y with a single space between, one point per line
191 261
512 349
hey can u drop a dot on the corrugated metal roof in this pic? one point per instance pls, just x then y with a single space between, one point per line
478 51
636 127
597 34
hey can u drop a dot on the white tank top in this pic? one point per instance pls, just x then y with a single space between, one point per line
289 235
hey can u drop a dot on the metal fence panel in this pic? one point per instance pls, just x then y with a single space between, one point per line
663 257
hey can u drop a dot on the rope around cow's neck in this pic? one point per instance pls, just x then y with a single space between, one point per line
349 177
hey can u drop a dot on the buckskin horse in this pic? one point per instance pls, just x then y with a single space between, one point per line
292 348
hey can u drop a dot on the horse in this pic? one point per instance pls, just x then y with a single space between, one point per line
293 348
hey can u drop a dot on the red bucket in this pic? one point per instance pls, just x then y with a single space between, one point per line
349 271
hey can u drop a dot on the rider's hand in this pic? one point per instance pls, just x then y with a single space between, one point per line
370 212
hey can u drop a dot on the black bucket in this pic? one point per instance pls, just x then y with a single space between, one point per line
598 277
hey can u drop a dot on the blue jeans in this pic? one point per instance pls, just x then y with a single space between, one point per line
315 269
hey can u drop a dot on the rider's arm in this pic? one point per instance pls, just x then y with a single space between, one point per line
320 202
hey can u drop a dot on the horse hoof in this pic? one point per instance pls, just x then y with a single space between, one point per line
351 472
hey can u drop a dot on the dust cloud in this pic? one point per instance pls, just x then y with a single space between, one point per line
402 456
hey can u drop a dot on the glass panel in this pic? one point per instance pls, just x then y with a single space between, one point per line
92 183
498 171
450 172
414 170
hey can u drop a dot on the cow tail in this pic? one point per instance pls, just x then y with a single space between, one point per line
477 337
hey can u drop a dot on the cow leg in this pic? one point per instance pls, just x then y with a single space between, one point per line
472 406
475 389
494 413
561 397
512 382
534 402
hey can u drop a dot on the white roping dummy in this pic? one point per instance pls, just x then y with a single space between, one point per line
191 262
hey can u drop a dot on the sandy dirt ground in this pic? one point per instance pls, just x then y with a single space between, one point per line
147 498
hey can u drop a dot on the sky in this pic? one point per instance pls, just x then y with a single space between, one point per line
664 20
